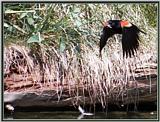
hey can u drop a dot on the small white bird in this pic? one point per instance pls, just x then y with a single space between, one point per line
10 107
83 112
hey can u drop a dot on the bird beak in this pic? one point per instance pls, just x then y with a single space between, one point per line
105 24
109 26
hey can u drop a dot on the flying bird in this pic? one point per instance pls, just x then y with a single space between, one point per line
130 35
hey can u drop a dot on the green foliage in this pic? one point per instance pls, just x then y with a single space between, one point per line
70 24
150 12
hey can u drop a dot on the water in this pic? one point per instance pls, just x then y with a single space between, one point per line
77 115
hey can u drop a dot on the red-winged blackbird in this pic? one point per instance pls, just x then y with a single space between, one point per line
130 35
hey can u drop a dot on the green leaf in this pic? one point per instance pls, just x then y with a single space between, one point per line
75 15
78 23
6 25
91 6
35 38
10 28
62 44
77 10
37 17
32 39
30 21
23 15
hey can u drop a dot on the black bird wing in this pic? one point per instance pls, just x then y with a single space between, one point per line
130 40
107 32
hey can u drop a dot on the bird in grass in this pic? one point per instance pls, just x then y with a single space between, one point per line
130 35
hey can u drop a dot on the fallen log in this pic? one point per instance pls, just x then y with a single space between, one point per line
28 93
50 98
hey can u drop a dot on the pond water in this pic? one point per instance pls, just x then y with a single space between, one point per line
76 115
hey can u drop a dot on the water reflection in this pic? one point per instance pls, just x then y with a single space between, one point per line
76 115
80 116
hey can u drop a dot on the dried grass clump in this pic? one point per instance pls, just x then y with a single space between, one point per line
16 59
101 79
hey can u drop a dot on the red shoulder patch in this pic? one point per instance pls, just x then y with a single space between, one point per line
125 23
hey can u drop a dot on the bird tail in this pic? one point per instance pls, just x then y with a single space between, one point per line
139 29
142 32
